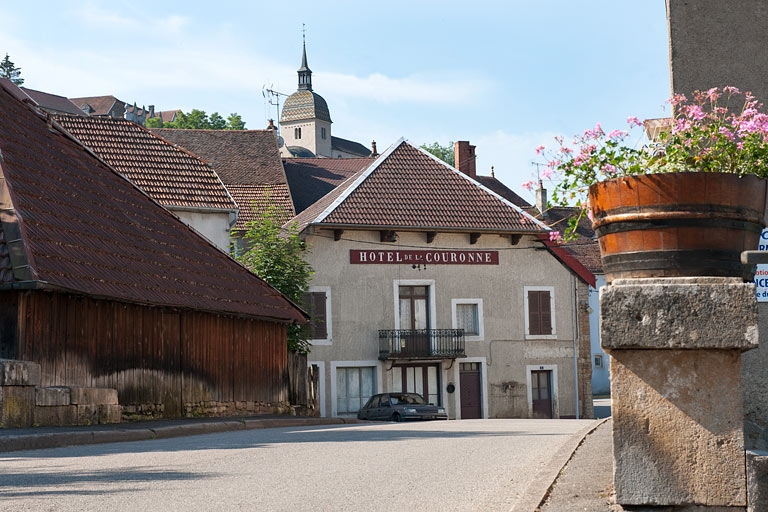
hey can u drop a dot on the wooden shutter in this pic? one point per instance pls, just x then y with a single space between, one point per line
315 302
539 313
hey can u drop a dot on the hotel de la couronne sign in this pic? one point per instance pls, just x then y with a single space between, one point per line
434 257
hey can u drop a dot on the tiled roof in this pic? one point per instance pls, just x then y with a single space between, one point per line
53 103
101 105
585 247
254 199
303 105
312 178
240 157
349 146
408 189
170 175
504 191
78 226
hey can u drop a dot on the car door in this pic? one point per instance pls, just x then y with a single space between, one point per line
371 408
384 410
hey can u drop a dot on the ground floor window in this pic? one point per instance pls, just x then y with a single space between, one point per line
423 379
354 386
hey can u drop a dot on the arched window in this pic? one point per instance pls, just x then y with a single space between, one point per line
297 133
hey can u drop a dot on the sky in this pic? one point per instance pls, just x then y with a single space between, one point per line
506 75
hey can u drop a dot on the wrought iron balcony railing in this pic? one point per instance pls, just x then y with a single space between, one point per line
421 343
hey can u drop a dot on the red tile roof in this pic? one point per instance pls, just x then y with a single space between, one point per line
101 105
254 199
312 178
406 188
248 162
74 224
170 175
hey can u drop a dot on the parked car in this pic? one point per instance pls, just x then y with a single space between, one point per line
400 407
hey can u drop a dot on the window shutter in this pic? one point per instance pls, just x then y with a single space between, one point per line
539 313
316 304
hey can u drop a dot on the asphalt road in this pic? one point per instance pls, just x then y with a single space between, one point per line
450 465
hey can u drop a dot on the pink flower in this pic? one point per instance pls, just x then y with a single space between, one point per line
677 99
539 150
616 134
633 121
547 173
730 90
528 185
555 236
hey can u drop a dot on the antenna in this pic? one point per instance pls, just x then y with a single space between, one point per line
538 169
273 98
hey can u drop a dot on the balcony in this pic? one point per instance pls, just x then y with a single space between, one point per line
421 344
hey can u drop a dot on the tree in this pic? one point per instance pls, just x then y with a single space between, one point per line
444 153
235 122
9 70
199 120
277 256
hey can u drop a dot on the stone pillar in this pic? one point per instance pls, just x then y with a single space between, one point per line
675 347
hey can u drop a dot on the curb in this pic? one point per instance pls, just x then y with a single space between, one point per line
39 441
545 478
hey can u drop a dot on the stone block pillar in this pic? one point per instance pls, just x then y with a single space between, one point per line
675 347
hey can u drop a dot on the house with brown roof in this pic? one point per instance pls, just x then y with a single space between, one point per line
171 175
427 281
248 163
53 103
103 287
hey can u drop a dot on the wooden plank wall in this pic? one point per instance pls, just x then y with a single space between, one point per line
152 355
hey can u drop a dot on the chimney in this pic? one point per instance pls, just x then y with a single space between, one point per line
464 158
374 151
151 111
271 125
541 200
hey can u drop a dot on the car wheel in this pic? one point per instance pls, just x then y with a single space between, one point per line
396 417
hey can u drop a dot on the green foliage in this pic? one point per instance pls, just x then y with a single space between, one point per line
444 153
235 122
277 256
154 122
199 120
9 70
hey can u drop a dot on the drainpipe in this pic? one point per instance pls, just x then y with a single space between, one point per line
574 326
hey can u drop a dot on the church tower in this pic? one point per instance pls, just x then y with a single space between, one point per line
305 122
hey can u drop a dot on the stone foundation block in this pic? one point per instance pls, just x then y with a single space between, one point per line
93 396
677 428
53 396
678 313
56 415
757 481
109 413
87 414
19 373
17 405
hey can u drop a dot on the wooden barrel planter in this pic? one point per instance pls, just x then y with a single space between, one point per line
678 224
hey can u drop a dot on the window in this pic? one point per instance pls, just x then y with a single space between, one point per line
317 302
322 133
540 312
420 379
467 314
297 133
414 310
598 361
354 386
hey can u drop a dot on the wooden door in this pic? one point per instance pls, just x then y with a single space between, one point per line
470 392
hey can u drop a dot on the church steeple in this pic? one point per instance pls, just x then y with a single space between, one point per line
305 74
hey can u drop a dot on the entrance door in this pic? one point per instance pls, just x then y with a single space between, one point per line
418 378
541 392
469 382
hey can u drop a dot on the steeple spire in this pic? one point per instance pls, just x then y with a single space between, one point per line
305 74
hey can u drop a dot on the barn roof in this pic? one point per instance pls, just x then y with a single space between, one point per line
69 222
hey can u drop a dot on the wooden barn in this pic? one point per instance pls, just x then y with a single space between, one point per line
103 287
